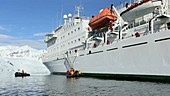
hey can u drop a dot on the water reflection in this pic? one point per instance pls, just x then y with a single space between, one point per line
57 85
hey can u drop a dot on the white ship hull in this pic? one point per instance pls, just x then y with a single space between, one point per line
136 48
146 55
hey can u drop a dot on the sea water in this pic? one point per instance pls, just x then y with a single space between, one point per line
59 85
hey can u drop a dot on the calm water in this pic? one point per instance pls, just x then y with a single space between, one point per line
57 85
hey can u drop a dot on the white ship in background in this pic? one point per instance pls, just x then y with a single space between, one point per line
131 42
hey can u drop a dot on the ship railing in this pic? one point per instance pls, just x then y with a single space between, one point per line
82 17
164 28
124 5
141 33
145 31
85 18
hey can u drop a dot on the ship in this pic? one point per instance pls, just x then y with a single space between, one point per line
129 42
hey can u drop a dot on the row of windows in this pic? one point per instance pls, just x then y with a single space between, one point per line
62 37
72 42
68 26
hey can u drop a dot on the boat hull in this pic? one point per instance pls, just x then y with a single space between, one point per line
18 74
144 56
140 10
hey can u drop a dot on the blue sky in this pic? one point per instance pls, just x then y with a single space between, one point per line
24 22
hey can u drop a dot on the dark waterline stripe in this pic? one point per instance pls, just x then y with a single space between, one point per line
162 39
81 55
132 45
111 49
94 52
60 59
128 77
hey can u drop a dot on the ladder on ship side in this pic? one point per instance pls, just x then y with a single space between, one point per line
68 64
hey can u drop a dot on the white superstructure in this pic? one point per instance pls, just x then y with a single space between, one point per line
138 44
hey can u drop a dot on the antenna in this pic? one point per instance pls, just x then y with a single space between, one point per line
61 14
78 9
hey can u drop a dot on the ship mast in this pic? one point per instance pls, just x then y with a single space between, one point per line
78 9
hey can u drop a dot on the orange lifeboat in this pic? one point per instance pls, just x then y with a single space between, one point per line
102 19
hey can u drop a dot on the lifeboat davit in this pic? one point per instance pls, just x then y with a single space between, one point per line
102 19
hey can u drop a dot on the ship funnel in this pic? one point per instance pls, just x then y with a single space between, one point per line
69 16
65 19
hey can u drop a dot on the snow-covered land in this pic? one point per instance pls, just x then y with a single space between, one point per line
14 58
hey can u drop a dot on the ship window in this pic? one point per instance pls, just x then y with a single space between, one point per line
79 39
68 34
75 40
168 24
78 28
71 41
75 30
71 32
